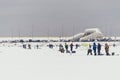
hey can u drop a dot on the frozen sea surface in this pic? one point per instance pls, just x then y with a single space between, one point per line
17 63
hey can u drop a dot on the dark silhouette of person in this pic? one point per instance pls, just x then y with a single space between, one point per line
94 48
99 48
24 46
37 46
61 49
66 47
89 50
29 46
71 47
77 46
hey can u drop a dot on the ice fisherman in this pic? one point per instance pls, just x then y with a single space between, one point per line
77 46
99 48
66 47
94 48
61 49
71 47
29 46
89 50
107 49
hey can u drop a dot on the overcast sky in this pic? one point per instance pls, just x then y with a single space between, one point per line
55 17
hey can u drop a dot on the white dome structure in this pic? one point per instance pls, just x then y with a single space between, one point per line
89 34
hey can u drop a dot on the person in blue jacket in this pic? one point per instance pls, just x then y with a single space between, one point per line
94 48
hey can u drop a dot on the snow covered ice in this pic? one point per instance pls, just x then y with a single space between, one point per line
50 64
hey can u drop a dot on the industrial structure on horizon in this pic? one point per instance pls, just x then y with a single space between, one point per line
88 35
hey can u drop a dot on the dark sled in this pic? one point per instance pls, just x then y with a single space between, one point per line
73 51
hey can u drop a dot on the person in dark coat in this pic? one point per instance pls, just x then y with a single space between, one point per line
89 50
71 47
77 46
114 45
99 48
37 46
61 49
94 48
29 46
24 46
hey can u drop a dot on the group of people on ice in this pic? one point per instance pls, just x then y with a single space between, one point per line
29 46
96 48
62 50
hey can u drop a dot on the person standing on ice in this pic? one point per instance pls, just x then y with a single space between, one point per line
99 48
24 46
37 46
66 47
71 47
61 49
29 46
107 49
94 48
77 46
89 50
